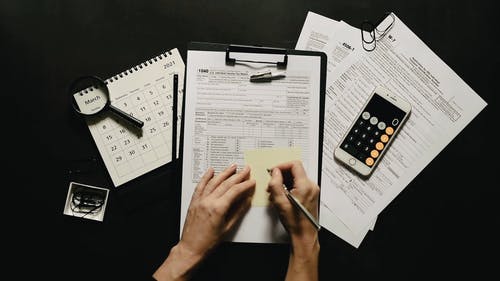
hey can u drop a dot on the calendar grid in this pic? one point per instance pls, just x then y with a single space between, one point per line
145 94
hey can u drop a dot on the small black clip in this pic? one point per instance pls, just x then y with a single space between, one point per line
87 202
374 33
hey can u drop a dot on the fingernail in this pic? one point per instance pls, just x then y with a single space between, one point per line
233 166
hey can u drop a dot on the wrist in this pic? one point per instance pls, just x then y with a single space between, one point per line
306 246
304 260
179 265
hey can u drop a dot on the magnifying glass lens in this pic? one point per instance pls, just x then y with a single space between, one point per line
90 96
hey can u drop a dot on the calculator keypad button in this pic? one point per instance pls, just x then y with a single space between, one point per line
369 161
384 138
368 137
389 131
370 134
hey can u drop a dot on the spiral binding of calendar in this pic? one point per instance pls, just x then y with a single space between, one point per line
127 72
138 67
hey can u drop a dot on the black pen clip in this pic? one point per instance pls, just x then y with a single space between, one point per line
266 76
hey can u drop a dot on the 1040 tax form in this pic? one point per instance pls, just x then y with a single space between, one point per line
226 114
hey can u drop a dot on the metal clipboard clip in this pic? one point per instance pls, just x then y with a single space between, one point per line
256 50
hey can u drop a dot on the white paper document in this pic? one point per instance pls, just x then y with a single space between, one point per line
226 115
442 105
319 33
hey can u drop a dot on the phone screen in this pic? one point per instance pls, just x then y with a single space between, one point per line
372 131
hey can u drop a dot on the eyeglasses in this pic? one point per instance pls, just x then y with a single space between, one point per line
86 202
371 33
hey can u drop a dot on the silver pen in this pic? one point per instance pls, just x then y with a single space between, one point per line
297 204
267 76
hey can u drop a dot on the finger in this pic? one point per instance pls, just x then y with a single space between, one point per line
295 167
209 173
238 191
222 176
295 176
275 188
303 187
239 211
232 180
306 188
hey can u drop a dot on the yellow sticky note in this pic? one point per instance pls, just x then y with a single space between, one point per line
262 159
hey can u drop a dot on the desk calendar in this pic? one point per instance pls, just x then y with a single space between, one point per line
144 91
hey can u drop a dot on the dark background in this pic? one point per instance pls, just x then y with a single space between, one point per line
441 225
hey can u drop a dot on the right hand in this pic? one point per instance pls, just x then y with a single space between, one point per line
301 231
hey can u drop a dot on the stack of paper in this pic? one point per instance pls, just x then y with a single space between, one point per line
442 105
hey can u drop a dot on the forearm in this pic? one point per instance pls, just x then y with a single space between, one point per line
179 265
304 261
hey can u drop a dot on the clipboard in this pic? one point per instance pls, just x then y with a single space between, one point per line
209 67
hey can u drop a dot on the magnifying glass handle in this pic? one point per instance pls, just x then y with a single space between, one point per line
126 116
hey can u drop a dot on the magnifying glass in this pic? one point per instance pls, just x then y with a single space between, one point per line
90 96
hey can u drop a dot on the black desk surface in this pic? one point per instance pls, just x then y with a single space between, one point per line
440 224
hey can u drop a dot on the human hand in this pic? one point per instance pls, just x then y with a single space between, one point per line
301 231
304 255
218 202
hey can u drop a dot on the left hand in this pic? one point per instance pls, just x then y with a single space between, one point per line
217 204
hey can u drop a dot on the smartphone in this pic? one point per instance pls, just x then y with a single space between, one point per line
372 132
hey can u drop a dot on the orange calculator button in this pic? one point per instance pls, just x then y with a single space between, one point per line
369 161
389 131
374 153
384 138
379 146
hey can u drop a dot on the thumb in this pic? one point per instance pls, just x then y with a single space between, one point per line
275 187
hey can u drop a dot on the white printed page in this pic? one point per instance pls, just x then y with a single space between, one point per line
226 114
319 33
145 92
337 40
443 104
